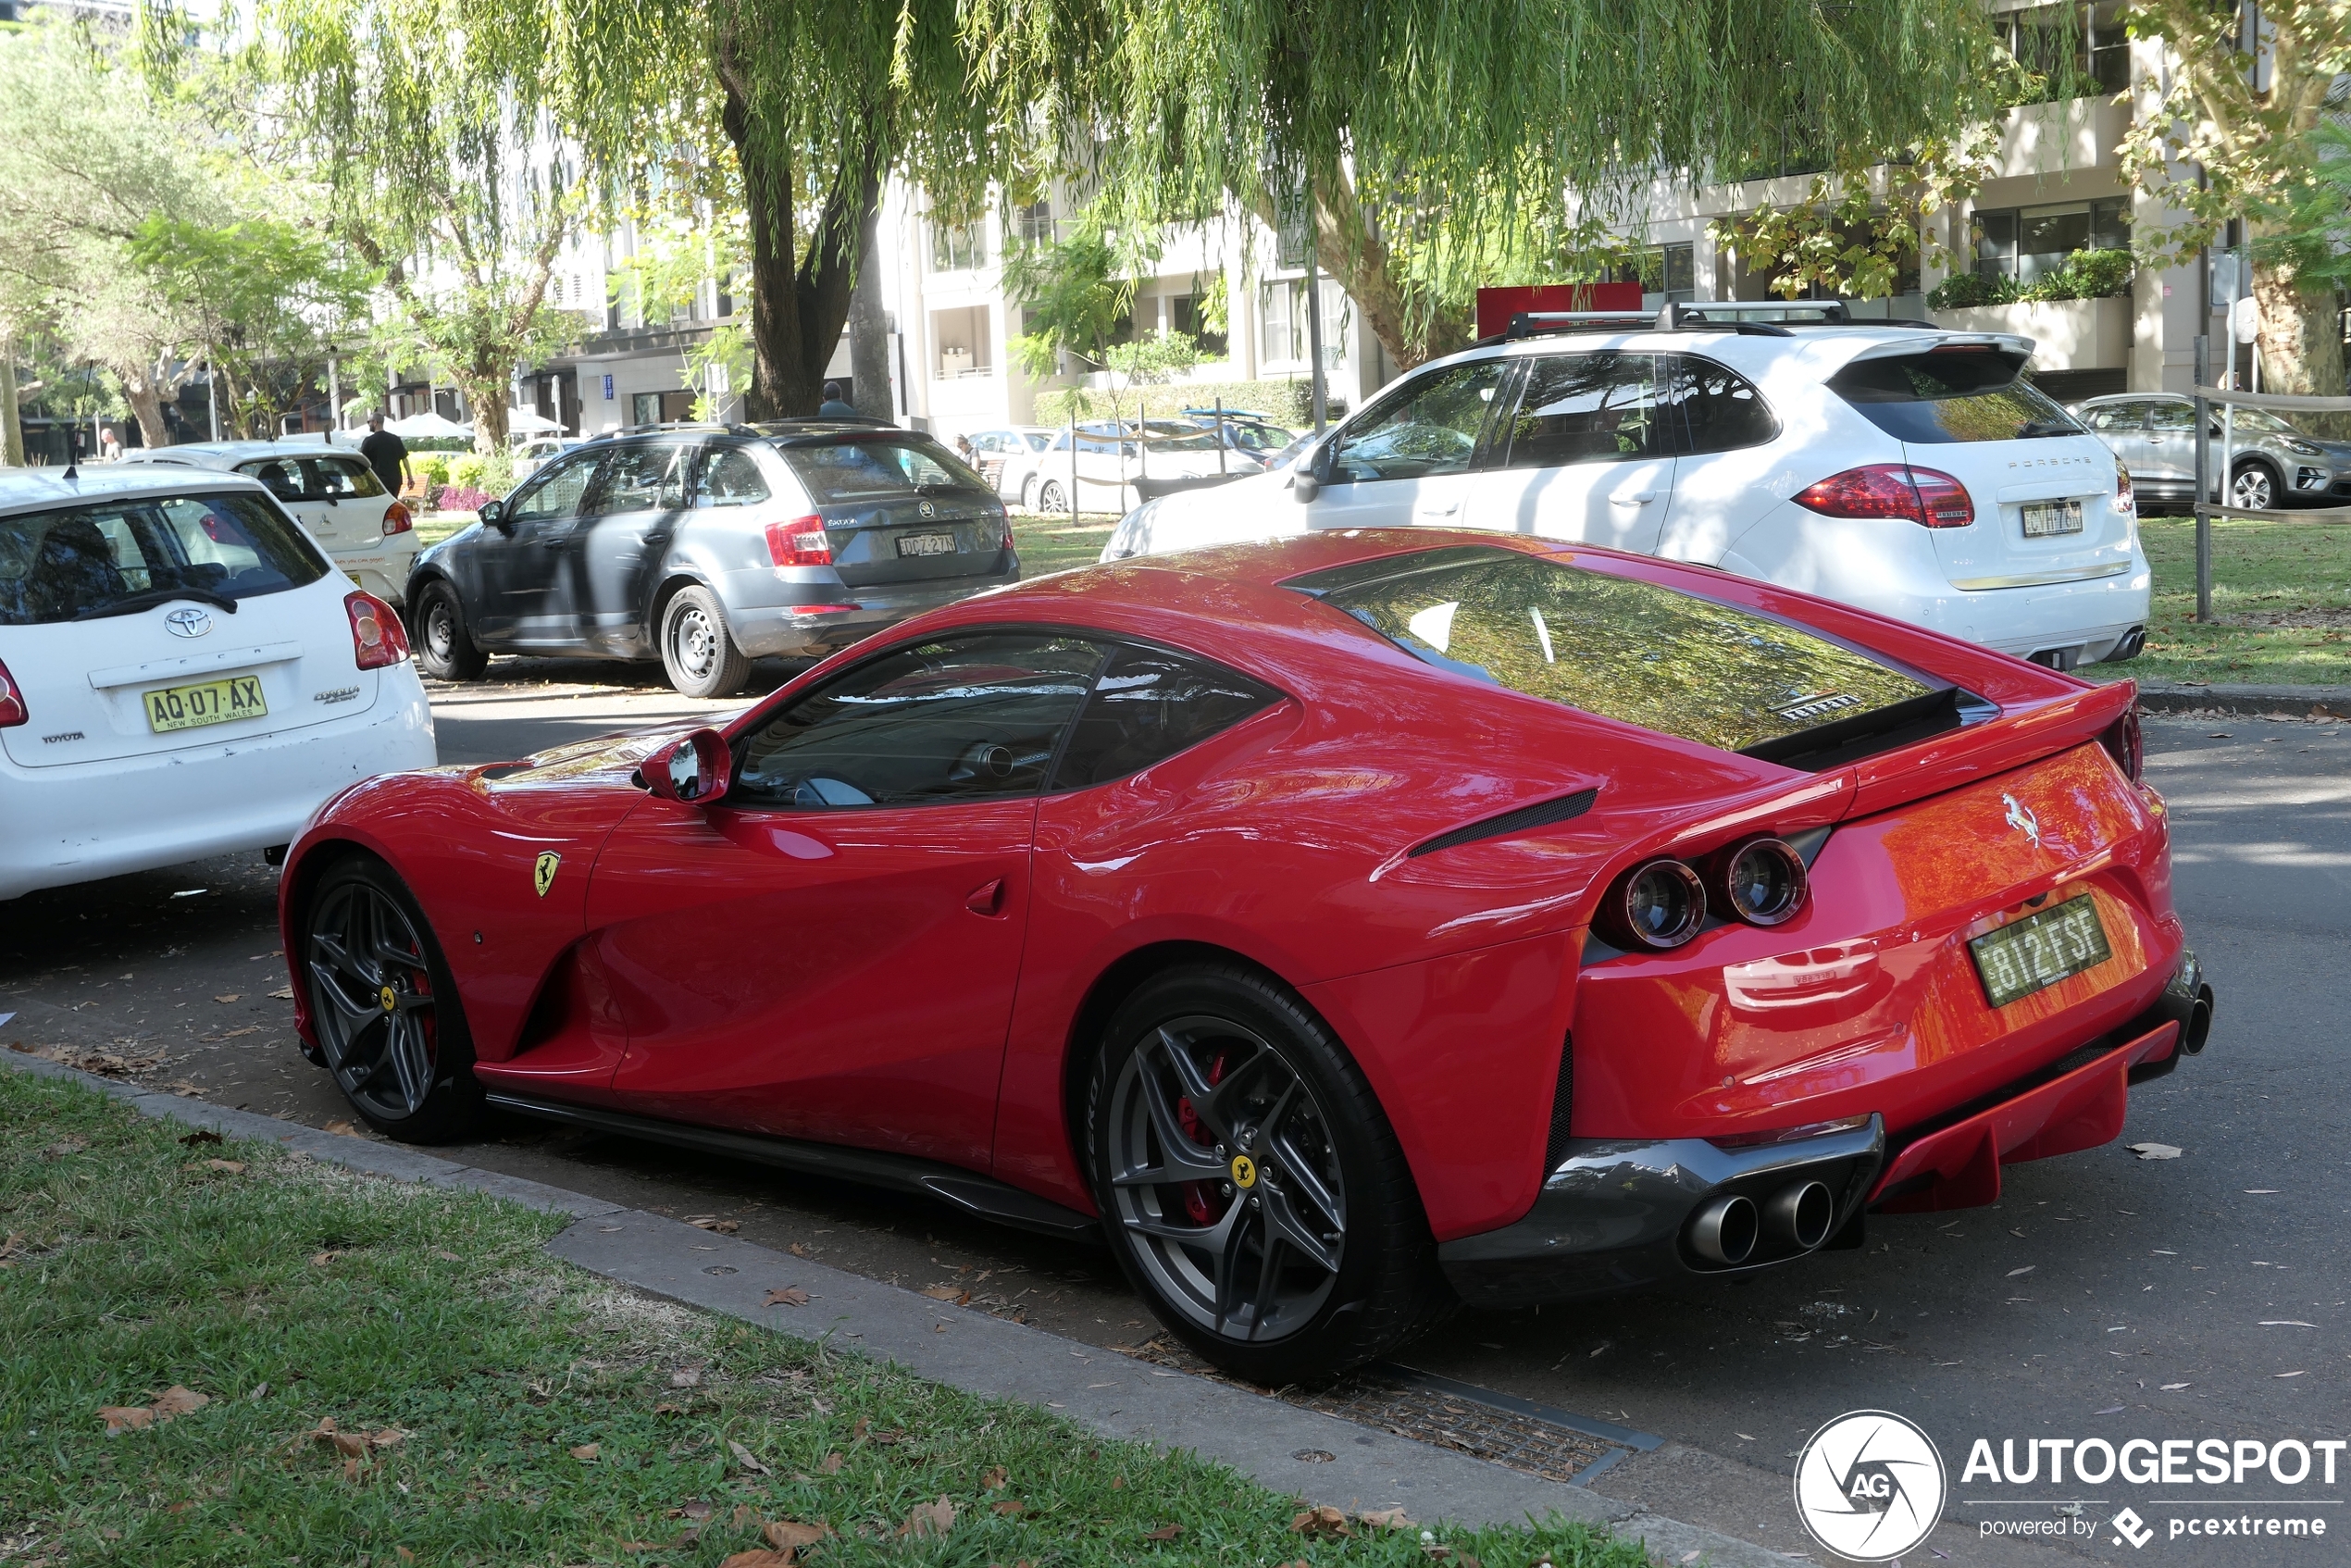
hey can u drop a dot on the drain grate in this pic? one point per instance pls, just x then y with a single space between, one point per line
1443 1413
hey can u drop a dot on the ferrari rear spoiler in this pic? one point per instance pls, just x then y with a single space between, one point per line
2022 733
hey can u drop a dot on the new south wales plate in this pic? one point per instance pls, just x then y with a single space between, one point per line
207 702
2046 518
2036 952
926 545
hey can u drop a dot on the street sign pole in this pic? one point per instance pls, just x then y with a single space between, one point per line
2203 479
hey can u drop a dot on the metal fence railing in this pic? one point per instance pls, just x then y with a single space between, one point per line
2213 490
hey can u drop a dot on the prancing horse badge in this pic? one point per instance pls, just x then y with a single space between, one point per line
543 874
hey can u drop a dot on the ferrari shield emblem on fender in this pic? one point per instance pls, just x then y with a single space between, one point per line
1244 1172
543 874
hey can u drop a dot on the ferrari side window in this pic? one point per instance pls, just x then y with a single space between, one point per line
1148 705
958 718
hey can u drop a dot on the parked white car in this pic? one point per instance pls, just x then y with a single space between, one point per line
1114 462
182 673
334 493
1911 471
1007 456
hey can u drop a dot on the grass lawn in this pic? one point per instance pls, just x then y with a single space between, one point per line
2282 593
1055 543
304 1366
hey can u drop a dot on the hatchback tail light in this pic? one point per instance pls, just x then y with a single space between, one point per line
12 708
1004 522
397 519
1925 496
801 542
377 637
2126 745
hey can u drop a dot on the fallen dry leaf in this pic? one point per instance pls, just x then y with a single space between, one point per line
177 1400
785 1296
993 1478
929 1518
948 1293
405 1555
172 1402
446 1256
1321 1520
2155 1150
666 1409
745 1516
125 1418
70 1144
1165 1533
202 1134
1386 1518
2026 1269
320 1260
760 1558
747 1458
232 996
831 1467
1011 1508
864 1425
587 1450
341 1127
227 1167
799 1250
686 1377
724 1227
792 1535
285 995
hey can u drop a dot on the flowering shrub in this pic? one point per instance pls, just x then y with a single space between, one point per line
457 498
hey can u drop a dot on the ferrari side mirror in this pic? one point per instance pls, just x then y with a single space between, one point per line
693 769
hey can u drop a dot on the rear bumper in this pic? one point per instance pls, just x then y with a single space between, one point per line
80 822
1617 1215
801 627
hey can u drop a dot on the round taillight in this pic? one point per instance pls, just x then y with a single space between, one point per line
1659 905
1764 882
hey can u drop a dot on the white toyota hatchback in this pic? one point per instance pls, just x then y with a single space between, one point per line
331 492
1908 470
182 674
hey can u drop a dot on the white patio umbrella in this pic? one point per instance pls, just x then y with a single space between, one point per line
530 422
428 426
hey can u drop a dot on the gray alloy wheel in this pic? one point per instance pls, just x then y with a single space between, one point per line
384 1009
1051 498
1224 1174
2254 489
443 647
697 650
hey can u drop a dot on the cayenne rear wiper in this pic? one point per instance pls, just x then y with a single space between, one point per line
2045 427
154 596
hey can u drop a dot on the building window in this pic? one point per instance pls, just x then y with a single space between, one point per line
1033 224
2028 243
961 340
1183 315
1282 332
1667 270
2096 47
957 248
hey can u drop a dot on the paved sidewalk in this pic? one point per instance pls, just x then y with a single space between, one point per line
1289 1449
2253 702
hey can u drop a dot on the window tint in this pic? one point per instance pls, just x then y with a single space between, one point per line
960 718
1428 426
280 475
641 478
2114 415
730 477
2173 416
1942 398
559 494
1721 410
67 565
867 465
1585 408
341 479
1148 705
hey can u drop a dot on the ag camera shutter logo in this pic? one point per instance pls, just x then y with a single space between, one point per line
1870 1486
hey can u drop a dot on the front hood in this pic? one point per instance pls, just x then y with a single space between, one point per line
604 759
1244 511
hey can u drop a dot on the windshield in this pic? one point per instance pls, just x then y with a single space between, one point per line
2260 420
1259 438
1945 396
867 465
81 562
1671 661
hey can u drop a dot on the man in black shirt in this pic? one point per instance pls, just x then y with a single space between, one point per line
386 454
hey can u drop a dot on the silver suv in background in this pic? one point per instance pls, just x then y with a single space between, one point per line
708 546
2269 463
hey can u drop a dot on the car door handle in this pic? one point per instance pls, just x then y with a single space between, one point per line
1440 510
1632 498
987 899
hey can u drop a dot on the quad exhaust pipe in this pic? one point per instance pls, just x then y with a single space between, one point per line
1726 1230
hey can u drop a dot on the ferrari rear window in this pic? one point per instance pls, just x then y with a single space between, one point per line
1667 661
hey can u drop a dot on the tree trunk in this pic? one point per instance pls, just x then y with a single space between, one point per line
2301 344
11 426
486 397
1356 259
869 331
145 398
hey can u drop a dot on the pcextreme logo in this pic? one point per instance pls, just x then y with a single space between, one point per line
1870 1486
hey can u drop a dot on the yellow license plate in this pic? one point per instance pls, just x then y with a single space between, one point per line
207 702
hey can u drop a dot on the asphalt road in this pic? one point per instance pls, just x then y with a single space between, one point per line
2104 1297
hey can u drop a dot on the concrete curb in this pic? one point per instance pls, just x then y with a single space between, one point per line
2252 702
1115 1395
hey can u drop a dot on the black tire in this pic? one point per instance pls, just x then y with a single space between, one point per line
1352 1265
391 1027
2254 486
444 649
1028 494
697 650
1051 498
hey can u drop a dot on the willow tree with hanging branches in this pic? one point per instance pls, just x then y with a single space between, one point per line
1430 145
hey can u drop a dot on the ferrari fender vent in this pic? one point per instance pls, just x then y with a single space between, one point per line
1541 815
1563 1101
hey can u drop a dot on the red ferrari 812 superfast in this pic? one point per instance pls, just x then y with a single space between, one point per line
1339 928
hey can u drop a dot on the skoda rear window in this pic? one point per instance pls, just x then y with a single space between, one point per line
118 558
866 468
1951 394
1667 661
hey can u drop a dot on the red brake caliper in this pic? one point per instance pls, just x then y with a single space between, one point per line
1201 1201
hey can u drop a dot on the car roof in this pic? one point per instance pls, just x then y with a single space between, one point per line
39 489
1820 348
227 453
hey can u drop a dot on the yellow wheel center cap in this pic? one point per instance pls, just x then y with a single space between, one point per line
1244 1171
390 997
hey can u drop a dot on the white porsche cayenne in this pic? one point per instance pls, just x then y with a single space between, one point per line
184 673
1908 470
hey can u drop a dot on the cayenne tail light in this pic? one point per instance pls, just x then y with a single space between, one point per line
801 542
1928 497
12 708
2125 498
378 639
397 519
2122 742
